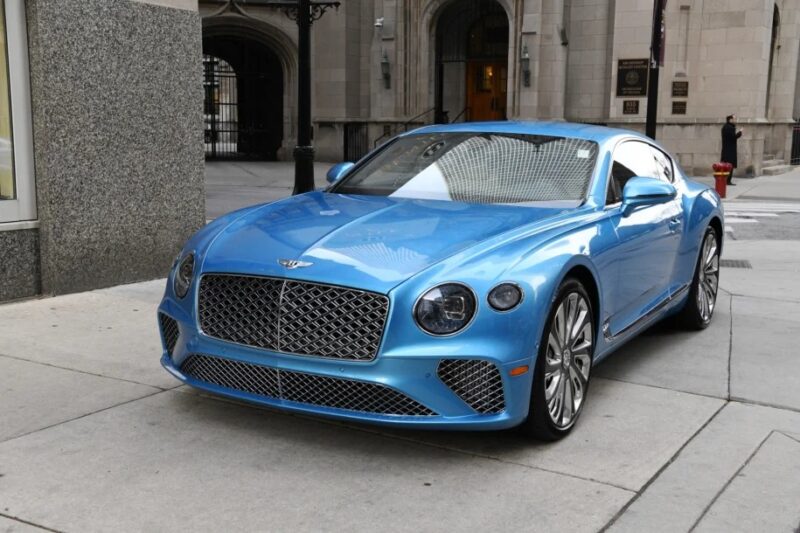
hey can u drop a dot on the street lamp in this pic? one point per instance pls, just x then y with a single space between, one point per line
525 65
304 12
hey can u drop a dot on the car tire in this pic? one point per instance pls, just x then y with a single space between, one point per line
562 354
701 303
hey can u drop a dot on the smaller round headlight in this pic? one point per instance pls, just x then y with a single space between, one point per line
183 275
505 297
445 309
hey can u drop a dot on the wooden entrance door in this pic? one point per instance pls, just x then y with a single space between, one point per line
486 90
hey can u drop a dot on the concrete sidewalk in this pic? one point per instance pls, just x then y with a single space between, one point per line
780 188
235 184
682 431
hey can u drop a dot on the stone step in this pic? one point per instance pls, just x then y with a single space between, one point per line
777 169
772 162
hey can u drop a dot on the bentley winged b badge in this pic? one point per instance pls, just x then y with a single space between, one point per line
291 264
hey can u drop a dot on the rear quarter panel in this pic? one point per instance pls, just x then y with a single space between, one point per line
701 205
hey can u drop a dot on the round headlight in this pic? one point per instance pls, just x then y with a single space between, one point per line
505 297
183 275
445 309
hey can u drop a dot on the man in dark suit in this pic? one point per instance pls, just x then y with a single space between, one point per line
729 137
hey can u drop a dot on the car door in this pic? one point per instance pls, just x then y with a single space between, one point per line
665 170
648 239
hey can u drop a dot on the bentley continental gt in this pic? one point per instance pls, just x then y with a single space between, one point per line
461 276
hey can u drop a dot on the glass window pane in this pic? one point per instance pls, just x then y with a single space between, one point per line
636 158
630 159
487 168
7 190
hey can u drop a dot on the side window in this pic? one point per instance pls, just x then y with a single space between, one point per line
663 165
631 158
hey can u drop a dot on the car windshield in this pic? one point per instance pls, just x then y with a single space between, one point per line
486 168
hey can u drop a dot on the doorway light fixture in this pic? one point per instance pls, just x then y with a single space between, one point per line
525 66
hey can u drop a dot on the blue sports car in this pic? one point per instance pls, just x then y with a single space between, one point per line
460 276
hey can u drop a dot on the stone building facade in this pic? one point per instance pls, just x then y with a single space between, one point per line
101 157
383 66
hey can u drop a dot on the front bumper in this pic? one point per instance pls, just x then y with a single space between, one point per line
413 377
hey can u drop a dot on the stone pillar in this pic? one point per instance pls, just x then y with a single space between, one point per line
116 90
552 71
590 33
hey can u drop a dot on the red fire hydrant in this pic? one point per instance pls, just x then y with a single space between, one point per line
721 173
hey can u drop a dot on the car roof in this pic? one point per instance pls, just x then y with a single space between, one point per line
591 132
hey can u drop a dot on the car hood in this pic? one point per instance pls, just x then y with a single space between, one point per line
371 242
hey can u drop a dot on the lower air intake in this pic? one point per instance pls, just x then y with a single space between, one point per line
300 387
169 328
476 382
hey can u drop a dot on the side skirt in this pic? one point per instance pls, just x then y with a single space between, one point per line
614 341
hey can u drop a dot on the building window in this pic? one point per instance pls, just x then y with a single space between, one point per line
17 191
7 189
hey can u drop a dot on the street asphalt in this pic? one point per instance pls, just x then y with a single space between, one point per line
682 431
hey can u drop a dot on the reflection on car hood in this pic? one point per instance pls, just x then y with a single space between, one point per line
372 242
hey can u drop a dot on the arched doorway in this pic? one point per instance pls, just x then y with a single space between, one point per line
471 61
243 99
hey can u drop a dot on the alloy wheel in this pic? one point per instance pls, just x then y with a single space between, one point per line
568 359
708 277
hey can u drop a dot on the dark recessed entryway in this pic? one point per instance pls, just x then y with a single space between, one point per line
243 107
471 61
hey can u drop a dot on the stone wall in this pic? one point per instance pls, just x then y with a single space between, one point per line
19 269
117 100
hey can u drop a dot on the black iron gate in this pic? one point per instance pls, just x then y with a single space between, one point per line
795 159
221 109
356 140
243 107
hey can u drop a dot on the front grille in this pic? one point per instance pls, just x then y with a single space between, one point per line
301 387
476 382
295 317
169 329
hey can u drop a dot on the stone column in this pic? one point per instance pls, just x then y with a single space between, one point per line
116 90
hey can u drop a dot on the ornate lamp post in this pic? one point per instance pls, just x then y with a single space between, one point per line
656 60
304 12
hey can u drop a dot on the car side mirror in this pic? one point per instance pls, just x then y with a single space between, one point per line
338 171
640 191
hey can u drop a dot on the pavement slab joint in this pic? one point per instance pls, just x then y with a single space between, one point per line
27 523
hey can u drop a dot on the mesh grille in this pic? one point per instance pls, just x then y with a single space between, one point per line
303 388
293 317
169 328
478 383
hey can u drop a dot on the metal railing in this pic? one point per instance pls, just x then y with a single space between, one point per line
463 113
388 132
356 140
